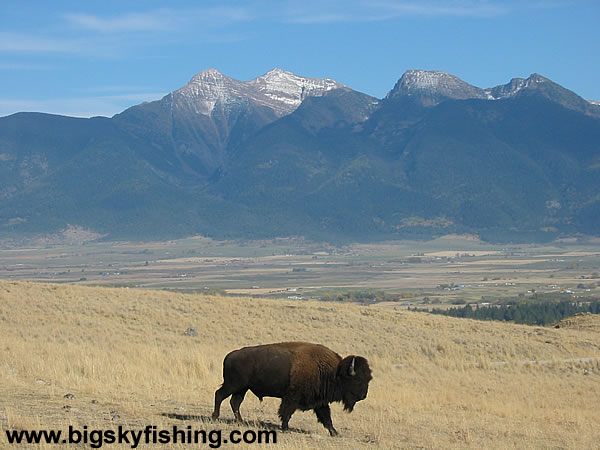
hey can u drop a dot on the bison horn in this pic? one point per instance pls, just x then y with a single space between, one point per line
352 372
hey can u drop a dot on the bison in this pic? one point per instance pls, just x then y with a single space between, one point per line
305 376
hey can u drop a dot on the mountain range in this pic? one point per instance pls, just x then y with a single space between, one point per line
284 155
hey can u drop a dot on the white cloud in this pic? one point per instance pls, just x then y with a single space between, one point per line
127 22
102 35
130 89
447 8
25 66
370 11
28 43
159 20
335 11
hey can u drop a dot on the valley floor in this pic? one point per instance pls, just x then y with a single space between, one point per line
452 269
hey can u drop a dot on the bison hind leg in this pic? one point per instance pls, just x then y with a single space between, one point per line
235 402
221 394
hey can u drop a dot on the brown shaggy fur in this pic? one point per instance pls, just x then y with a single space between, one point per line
304 375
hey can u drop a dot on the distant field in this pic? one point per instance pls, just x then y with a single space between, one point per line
438 383
443 270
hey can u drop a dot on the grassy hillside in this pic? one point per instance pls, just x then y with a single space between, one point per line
123 354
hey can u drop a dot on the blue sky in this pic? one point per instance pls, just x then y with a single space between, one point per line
86 58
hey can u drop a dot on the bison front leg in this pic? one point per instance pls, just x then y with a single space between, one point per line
324 416
286 409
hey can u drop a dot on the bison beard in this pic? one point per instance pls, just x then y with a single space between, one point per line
305 376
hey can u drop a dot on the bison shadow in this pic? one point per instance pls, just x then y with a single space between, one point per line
247 423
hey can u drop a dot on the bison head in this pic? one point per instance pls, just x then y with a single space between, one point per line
353 374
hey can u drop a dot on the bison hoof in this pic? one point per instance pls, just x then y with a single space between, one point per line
215 416
333 432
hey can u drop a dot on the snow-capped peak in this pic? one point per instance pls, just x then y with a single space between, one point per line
277 89
537 78
276 73
515 85
205 90
433 85
426 79
208 74
289 89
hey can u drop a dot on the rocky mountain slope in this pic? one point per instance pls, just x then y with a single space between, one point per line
284 154
194 127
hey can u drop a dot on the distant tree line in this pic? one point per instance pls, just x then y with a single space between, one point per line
539 313
365 296
355 296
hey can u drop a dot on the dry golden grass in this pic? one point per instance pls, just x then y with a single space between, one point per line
123 355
